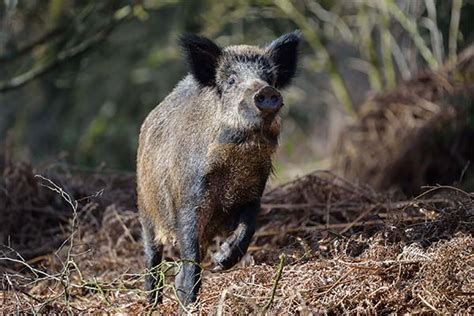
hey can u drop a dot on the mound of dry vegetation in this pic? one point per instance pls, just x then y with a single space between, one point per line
71 242
421 132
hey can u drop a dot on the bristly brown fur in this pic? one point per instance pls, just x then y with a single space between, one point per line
232 171
205 153
179 134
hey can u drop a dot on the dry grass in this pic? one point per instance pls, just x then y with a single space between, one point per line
342 248
421 132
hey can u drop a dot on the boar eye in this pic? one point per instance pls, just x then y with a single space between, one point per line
231 80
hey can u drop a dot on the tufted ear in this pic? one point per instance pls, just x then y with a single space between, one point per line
202 55
284 53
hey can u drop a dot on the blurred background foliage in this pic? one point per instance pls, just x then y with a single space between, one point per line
77 78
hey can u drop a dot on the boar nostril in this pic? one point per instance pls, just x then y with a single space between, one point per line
268 99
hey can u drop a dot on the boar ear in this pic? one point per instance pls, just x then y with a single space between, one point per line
202 56
284 53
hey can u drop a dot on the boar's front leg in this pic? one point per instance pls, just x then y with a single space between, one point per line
188 280
153 257
235 247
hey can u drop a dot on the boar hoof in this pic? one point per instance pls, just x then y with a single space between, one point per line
222 258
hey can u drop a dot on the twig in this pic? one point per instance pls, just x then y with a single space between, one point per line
124 227
338 282
30 46
65 275
441 187
275 284
62 57
429 305
221 305
355 221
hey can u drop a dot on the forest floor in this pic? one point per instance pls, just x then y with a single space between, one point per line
324 245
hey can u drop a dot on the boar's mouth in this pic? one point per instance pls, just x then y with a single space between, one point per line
235 136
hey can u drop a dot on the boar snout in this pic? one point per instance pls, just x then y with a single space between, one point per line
268 100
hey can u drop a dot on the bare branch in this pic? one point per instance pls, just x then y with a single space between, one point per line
64 56
30 46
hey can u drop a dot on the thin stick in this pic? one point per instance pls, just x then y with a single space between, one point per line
275 284
51 34
429 305
221 306
62 57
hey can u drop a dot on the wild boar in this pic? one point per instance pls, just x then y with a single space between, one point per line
205 153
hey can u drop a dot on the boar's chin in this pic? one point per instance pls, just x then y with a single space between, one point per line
269 123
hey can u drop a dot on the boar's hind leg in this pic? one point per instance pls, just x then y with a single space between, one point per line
235 247
188 280
153 257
